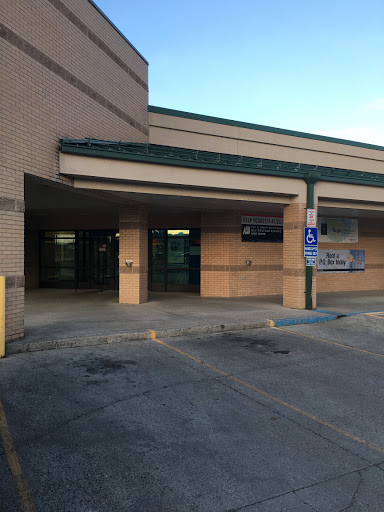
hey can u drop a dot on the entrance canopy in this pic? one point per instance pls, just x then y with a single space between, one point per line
172 203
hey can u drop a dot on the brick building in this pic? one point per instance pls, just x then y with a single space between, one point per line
166 208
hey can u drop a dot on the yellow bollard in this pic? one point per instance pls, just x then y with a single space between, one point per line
2 316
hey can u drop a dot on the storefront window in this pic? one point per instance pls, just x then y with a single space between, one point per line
79 259
175 260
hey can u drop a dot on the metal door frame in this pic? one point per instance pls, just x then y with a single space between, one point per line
165 285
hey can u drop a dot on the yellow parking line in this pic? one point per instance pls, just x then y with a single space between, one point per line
330 342
21 484
376 315
309 415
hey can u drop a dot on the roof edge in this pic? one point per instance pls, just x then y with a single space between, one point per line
186 157
117 30
260 127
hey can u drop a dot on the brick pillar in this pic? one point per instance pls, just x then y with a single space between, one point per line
217 233
12 249
293 258
133 245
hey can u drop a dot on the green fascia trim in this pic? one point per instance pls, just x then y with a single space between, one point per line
117 30
182 157
251 126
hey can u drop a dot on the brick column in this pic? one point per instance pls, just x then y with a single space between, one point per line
133 245
293 258
12 249
217 234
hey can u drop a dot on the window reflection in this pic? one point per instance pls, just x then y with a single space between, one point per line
175 260
79 259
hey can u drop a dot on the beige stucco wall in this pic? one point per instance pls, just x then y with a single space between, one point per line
331 193
195 134
144 179
121 172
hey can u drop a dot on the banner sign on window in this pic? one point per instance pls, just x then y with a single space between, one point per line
351 260
344 231
256 228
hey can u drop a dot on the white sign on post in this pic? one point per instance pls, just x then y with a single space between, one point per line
311 218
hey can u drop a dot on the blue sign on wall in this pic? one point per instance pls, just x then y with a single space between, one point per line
310 242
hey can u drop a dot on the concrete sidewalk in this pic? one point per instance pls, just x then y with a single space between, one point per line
64 318
351 302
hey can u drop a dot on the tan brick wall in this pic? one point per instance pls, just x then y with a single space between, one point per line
371 239
12 266
223 255
65 72
133 245
43 103
224 272
216 237
12 247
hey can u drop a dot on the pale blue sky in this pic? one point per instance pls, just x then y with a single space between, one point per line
308 65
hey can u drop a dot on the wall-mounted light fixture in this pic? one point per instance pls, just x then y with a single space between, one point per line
129 263
248 263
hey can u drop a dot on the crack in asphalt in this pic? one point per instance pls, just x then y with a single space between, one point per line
296 422
221 380
305 502
294 491
353 498
105 406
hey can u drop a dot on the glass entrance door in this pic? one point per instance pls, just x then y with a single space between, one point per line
79 259
102 263
157 260
174 260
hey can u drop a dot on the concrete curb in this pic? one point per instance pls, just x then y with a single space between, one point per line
19 347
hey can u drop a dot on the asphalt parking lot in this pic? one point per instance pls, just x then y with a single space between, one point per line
266 420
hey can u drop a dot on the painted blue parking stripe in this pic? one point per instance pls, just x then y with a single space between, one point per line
348 314
304 320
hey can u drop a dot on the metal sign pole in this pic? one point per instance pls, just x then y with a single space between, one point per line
311 179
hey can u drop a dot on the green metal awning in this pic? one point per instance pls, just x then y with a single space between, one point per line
184 157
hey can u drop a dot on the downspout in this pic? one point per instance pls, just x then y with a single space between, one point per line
311 178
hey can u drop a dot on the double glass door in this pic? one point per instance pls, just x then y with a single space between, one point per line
174 260
79 259
98 260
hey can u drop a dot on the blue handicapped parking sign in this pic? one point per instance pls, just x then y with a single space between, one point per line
310 235
310 242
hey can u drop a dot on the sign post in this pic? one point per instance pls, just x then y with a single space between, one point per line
311 179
